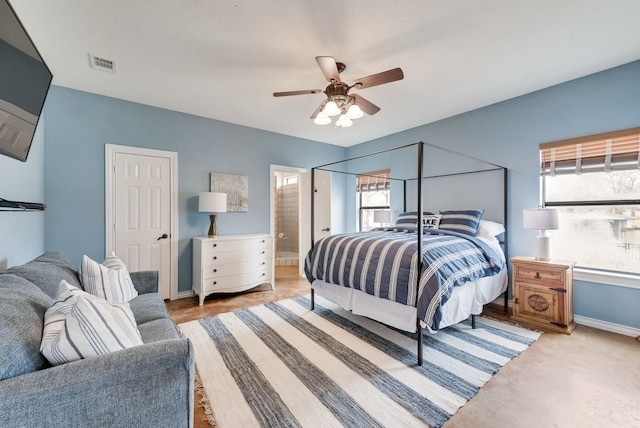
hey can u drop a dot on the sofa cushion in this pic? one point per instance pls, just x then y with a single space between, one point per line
161 329
79 325
148 307
22 309
46 272
110 283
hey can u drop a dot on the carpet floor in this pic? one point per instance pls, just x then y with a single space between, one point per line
280 364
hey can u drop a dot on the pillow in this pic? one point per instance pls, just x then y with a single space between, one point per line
431 221
410 218
461 221
110 283
79 325
490 229
22 309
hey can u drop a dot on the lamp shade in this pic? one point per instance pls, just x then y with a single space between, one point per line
540 218
381 216
212 202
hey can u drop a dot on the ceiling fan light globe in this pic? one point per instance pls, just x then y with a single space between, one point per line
331 109
322 119
354 112
343 121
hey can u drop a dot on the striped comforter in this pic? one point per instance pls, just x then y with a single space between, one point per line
383 263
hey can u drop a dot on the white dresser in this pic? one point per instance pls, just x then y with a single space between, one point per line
231 263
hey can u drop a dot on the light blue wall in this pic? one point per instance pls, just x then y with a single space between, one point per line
509 133
22 233
80 124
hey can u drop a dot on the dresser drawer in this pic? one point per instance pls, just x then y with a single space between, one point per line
547 275
227 269
216 258
222 245
236 282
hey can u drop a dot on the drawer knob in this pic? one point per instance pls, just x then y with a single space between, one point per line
215 282
215 270
215 257
263 263
263 241
537 276
261 252
215 245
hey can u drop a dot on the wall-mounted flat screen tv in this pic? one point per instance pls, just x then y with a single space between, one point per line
24 83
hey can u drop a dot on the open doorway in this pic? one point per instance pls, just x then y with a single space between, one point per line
285 217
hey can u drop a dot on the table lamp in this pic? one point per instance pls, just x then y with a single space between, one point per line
212 202
382 217
541 219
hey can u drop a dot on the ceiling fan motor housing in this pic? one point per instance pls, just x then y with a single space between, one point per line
337 92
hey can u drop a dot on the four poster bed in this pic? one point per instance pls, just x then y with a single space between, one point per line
378 274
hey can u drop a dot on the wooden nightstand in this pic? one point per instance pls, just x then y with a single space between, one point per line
543 293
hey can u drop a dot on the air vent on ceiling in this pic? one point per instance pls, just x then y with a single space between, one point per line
102 64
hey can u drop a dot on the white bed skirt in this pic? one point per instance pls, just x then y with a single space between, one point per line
465 300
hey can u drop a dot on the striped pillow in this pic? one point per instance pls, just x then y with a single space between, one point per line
110 281
79 325
462 221
410 218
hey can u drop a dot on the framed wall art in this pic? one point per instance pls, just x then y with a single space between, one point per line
235 186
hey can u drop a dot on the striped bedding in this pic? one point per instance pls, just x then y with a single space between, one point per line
383 262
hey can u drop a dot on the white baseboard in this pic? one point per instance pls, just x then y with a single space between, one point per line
607 326
592 322
185 294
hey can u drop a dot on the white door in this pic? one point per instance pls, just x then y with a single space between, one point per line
142 215
322 208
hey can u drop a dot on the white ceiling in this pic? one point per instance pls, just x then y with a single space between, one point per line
223 59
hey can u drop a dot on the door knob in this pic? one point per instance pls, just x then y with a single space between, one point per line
326 229
164 236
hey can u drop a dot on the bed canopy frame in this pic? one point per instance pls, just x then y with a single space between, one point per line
419 178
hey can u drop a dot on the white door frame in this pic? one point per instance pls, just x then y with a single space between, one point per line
110 151
272 201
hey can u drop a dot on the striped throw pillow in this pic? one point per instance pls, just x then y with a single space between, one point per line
462 221
110 280
79 325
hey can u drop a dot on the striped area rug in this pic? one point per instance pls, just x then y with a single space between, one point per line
280 364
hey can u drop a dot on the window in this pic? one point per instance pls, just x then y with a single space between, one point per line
373 200
594 182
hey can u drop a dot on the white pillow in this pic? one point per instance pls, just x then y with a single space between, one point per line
431 221
79 325
110 283
490 229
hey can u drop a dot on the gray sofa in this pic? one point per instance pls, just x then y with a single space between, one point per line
146 386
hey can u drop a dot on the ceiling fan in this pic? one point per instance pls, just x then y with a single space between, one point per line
339 101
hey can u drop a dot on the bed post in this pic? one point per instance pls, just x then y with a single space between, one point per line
313 190
419 333
419 248
505 195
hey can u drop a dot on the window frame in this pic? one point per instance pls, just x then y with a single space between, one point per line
600 161
376 179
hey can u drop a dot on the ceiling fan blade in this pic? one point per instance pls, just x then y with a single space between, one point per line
329 68
379 78
303 92
366 105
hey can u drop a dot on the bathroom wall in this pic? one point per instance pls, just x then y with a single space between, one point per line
286 219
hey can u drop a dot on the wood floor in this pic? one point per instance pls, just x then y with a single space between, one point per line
590 378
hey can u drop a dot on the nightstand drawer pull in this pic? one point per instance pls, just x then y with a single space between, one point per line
537 276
